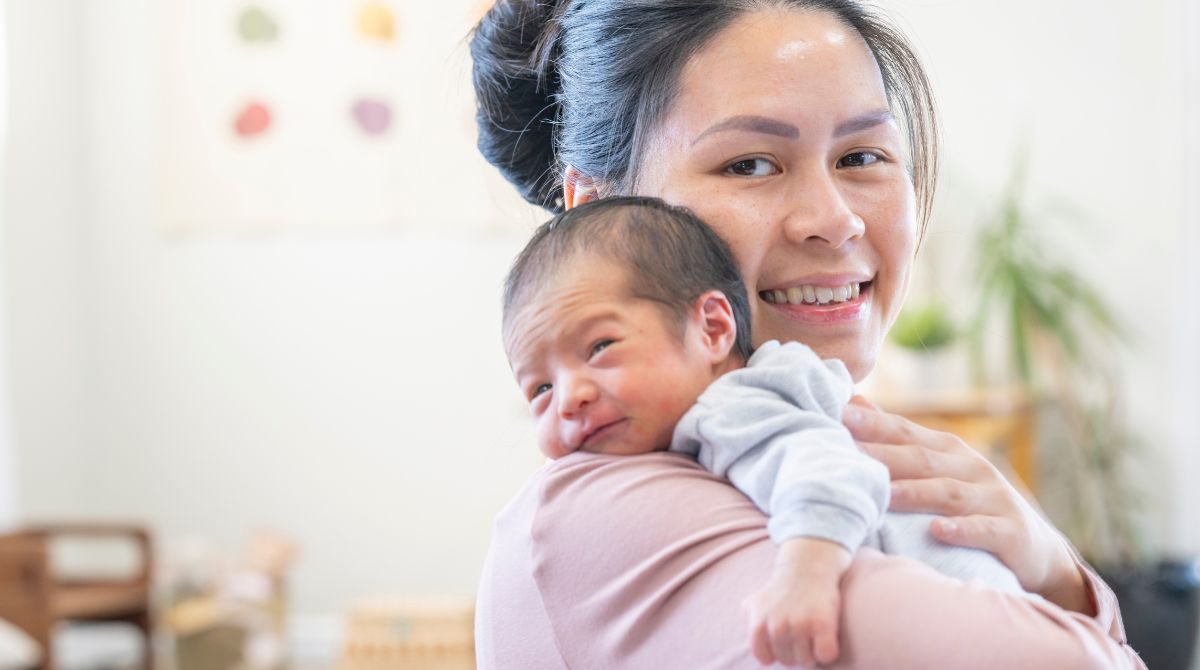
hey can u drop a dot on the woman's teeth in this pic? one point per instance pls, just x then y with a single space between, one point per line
812 295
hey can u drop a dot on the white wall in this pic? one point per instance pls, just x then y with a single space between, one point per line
1185 532
8 459
350 389
1185 527
43 253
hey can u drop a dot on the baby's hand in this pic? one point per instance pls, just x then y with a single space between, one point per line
794 618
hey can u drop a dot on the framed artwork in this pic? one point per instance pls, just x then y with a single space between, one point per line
323 114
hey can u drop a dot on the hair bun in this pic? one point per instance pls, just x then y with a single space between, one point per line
514 49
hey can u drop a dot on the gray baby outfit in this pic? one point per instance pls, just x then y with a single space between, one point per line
774 429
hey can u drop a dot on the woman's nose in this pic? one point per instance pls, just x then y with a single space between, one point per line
821 213
575 393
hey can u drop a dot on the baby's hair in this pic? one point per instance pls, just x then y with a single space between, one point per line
670 256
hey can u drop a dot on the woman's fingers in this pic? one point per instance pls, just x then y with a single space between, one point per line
941 495
916 461
938 473
873 425
863 402
868 424
990 533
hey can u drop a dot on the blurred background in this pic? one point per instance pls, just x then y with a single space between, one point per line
250 264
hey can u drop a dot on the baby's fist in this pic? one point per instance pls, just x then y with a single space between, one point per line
794 618
796 625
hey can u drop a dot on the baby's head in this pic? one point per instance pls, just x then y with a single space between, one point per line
617 315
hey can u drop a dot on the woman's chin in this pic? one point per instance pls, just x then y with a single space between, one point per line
860 367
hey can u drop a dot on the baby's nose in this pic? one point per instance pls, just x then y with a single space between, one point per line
575 395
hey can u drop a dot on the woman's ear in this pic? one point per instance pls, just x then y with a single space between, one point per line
578 188
716 328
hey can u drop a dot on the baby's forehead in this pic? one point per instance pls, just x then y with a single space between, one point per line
558 306
566 305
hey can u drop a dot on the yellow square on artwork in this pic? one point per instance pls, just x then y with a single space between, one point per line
376 22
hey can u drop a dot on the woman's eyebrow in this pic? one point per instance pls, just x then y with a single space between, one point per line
863 122
754 124
769 126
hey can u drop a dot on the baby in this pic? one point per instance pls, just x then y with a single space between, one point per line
627 327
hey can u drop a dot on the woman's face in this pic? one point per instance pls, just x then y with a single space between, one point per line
780 137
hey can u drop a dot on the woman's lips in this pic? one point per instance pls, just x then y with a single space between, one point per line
831 312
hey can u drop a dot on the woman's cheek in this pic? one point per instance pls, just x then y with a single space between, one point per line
742 223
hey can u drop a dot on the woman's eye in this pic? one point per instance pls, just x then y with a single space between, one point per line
858 159
541 388
600 346
752 167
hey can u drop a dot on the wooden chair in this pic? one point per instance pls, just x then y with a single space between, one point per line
33 599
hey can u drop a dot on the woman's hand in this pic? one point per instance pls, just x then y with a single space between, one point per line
938 473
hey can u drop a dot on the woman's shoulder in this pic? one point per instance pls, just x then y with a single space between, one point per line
597 552
638 501
641 561
642 500
624 479
603 489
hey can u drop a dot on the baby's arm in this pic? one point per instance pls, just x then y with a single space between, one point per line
774 430
794 618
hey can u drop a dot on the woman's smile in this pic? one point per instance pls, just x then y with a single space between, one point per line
821 304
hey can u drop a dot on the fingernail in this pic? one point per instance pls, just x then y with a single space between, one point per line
948 526
851 415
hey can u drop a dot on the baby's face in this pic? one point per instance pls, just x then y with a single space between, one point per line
603 371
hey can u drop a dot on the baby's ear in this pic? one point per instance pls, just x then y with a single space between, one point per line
717 328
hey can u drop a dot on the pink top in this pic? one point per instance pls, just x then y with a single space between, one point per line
642 562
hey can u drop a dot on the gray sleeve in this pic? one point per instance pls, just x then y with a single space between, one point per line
774 430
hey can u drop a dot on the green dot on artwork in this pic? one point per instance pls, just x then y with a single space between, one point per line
255 25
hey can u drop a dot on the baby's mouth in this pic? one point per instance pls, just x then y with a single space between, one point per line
600 432
809 294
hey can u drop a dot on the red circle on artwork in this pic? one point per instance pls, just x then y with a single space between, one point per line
253 120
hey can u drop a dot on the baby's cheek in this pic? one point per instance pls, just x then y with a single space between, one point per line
669 409
547 439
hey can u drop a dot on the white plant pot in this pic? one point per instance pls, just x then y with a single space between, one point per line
940 372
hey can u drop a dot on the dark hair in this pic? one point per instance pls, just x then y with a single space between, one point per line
671 257
582 83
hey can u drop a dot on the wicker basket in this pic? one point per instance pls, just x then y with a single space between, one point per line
410 633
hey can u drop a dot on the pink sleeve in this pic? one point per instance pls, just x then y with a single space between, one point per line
643 562
512 630
1108 612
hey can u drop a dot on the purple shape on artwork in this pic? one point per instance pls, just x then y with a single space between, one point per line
373 116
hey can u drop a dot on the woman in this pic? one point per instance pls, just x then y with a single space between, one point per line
803 131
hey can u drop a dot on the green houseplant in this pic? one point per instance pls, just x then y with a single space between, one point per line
923 327
923 335
1056 336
